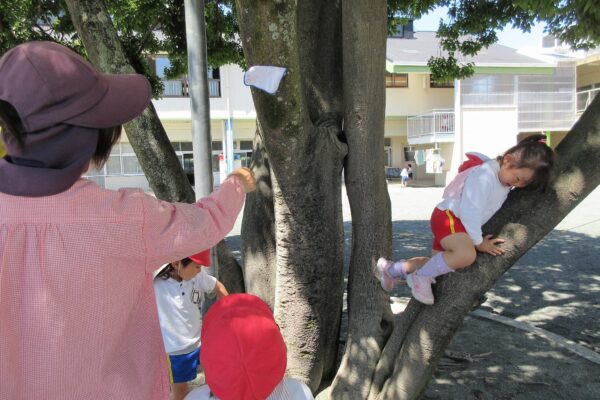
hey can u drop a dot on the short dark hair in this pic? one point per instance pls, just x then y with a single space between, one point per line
11 124
13 130
165 273
107 138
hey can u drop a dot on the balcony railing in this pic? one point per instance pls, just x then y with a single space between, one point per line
179 87
438 126
584 99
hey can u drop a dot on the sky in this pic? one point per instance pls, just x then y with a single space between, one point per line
508 37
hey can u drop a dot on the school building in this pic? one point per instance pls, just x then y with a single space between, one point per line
429 124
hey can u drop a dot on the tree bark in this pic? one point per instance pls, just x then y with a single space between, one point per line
299 128
259 251
383 359
369 314
293 236
228 270
146 133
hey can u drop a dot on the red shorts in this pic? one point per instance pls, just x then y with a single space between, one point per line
444 223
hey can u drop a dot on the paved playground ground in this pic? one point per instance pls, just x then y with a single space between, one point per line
537 336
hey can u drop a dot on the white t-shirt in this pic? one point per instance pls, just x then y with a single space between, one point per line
178 310
288 389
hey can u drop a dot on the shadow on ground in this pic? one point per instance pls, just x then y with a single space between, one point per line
555 286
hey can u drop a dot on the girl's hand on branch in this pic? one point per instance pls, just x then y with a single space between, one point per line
489 245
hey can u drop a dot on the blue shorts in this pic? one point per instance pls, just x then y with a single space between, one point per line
183 367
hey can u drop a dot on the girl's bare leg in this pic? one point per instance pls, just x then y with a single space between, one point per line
459 251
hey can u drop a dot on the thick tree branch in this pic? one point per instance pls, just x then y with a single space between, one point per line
369 314
523 221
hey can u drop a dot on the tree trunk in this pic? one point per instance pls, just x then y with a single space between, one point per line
299 128
369 314
146 133
258 230
293 232
383 359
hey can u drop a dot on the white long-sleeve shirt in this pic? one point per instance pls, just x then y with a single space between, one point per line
483 194
288 389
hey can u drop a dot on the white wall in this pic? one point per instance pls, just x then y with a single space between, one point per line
240 96
241 105
395 127
128 181
418 98
489 131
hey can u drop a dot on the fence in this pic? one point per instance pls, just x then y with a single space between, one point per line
437 123
179 87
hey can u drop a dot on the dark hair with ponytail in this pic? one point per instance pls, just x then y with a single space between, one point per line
533 153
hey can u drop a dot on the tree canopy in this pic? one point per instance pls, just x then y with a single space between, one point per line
144 27
325 121
158 26
472 25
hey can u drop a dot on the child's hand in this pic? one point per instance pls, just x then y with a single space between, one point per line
246 176
489 245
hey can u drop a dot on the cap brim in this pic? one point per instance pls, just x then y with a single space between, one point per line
127 96
158 271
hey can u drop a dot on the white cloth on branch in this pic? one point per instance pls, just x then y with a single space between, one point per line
264 77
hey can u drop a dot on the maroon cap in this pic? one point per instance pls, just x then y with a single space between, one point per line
243 352
49 84
62 102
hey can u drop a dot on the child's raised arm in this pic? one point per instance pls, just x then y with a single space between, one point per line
220 290
173 231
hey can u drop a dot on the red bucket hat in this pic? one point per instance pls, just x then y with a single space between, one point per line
202 258
243 352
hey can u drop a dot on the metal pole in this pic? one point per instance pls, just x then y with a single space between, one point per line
195 31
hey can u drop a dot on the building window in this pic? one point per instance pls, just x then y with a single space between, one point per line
396 80
440 84
245 144
178 86
113 165
409 154
131 166
186 146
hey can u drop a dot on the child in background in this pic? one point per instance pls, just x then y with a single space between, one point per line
244 355
180 288
469 201
404 176
77 306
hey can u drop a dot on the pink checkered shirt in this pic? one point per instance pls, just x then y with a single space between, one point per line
78 317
